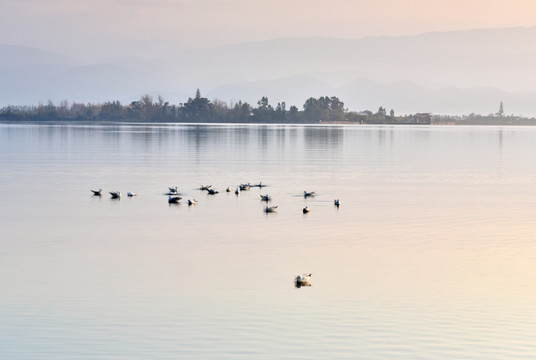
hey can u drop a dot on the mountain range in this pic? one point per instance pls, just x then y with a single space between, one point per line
457 72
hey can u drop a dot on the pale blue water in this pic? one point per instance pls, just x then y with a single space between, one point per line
432 254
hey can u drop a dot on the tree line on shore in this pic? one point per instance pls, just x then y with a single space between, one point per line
200 109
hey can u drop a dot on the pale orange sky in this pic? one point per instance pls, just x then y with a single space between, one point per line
100 25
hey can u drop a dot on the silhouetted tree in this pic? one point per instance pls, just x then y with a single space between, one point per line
323 109
264 112
112 111
198 108
241 112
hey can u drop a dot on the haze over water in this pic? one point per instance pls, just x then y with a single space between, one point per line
430 256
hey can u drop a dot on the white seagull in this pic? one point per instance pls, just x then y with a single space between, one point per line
115 194
303 279
174 199
192 202
97 192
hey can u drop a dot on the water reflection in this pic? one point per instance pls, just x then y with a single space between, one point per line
201 135
432 245
324 137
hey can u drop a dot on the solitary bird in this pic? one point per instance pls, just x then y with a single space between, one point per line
173 190
115 194
270 209
237 191
266 198
228 189
306 209
306 194
212 191
337 202
303 279
174 199
129 194
192 202
97 192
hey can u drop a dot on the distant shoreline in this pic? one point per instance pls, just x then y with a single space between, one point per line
324 123
324 110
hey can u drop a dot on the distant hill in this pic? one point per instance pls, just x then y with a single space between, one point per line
441 72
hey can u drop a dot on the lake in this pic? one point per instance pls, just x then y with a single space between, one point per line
431 255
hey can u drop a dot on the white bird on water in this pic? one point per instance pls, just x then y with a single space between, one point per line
174 199
173 190
97 192
192 202
303 279
129 194
270 209
115 194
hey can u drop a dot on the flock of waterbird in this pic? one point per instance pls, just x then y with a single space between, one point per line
174 198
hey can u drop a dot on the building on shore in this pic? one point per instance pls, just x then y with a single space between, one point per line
422 118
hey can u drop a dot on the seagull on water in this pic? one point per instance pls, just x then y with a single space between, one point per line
97 192
306 194
174 199
115 194
303 279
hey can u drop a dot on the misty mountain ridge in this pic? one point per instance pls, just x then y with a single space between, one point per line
455 72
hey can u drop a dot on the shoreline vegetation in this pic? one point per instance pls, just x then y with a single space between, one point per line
323 110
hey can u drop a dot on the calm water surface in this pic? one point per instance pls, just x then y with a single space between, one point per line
431 255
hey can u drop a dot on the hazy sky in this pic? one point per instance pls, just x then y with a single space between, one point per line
113 27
